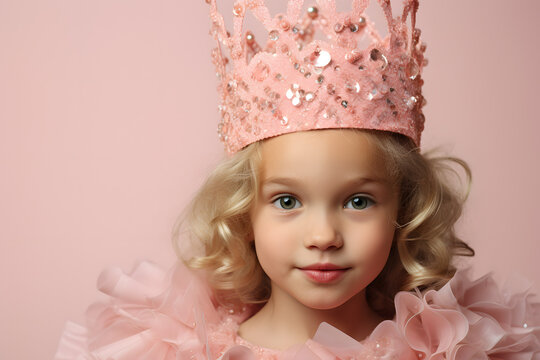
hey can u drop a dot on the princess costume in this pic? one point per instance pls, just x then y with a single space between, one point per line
298 83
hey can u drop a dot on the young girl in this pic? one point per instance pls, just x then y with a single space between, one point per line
326 234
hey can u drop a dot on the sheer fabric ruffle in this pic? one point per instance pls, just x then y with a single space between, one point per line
155 314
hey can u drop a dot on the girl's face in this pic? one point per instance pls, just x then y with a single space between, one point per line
323 221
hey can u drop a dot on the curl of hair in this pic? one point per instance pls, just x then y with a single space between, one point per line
430 204
424 245
218 217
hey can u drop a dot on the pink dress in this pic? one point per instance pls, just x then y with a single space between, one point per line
154 314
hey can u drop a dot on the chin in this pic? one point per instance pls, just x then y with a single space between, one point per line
324 302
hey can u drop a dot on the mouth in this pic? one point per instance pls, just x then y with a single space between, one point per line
324 273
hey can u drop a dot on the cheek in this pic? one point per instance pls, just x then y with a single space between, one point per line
273 242
373 242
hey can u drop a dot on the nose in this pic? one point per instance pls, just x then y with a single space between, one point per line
323 232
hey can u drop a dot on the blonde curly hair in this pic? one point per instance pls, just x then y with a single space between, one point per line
424 245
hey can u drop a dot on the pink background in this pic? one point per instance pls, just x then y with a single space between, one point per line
107 127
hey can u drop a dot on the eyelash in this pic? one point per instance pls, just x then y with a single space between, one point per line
278 200
370 201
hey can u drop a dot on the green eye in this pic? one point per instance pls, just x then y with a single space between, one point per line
286 202
359 202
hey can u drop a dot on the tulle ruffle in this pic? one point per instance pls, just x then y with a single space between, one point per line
154 314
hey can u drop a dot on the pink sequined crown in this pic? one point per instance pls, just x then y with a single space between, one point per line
296 82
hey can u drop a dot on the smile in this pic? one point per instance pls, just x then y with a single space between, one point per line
324 273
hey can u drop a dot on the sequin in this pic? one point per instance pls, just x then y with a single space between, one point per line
353 27
320 79
322 59
344 103
372 94
412 70
362 21
331 89
353 56
273 35
284 120
309 97
376 55
250 38
411 102
289 94
313 12
295 94
238 10
338 27
261 71
353 87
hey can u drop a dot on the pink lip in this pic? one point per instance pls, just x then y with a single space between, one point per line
324 273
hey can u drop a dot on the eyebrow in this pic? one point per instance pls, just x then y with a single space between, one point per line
290 181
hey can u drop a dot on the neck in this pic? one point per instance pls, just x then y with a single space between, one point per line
289 322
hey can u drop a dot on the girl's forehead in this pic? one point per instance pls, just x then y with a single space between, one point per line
322 152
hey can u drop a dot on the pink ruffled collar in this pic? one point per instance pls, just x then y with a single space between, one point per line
155 314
